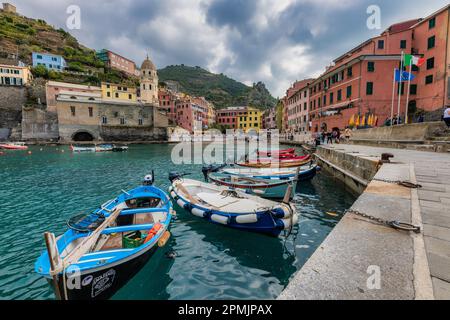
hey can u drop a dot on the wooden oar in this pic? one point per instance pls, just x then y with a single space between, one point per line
75 255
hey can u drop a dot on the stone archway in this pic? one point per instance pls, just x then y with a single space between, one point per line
82 136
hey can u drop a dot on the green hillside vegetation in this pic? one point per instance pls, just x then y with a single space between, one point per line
217 88
30 35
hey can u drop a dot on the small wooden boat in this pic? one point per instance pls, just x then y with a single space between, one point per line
79 149
221 205
104 148
306 172
265 188
103 250
14 146
276 152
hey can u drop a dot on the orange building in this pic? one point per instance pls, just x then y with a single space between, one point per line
359 84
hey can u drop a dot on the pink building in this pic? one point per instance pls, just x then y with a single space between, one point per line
167 101
359 84
298 106
192 114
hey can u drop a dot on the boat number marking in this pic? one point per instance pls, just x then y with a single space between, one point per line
103 282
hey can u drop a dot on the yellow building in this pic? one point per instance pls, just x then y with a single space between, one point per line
250 120
14 76
118 92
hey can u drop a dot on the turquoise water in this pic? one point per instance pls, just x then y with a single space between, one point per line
39 192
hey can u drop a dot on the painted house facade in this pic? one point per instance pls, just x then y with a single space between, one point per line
14 75
359 84
116 61
49 61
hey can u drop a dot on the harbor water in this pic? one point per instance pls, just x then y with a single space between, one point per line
41 190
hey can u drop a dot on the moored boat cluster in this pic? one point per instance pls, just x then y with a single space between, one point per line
105 248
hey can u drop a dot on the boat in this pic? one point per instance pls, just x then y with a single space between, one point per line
265 188
306 172
104 148
119 148
276 152
14 146
80 149
277 163
101 251
232 208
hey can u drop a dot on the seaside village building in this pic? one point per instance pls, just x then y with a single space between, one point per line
194 113
297 106
357 88
117 92
244 118
270 119
14 75
111 112
49 61
115 61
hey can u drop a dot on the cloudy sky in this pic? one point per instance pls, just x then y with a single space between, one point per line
274 41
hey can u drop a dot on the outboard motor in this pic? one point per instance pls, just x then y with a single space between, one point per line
175 175
149 179
206 170
211 168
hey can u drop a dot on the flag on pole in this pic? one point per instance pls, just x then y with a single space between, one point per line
403 76
413 60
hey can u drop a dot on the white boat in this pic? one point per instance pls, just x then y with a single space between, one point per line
79 149
232 208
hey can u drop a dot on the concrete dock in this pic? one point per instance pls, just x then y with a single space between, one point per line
363 259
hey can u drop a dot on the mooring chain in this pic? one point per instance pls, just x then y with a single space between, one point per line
406 184
392 224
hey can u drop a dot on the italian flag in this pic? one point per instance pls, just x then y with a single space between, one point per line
413 60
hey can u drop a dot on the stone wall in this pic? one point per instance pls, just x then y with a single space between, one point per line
38 125
119 133
414 133
12 99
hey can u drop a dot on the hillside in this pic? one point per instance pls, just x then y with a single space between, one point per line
22 35
217 88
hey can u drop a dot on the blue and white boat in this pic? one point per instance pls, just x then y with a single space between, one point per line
262 187
102 251
306 172
232 208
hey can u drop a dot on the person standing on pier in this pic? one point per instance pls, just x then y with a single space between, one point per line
446 116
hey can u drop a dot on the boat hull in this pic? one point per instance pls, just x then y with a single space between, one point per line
103 283
266 221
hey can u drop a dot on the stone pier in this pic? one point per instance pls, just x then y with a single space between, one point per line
363 259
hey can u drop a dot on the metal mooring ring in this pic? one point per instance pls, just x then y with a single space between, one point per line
405 226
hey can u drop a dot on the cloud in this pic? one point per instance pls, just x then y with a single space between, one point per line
274 41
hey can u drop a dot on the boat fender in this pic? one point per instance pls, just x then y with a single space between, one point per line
198 213
174 195
188 207
180 202
164 238
153 232
247 219
220 219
